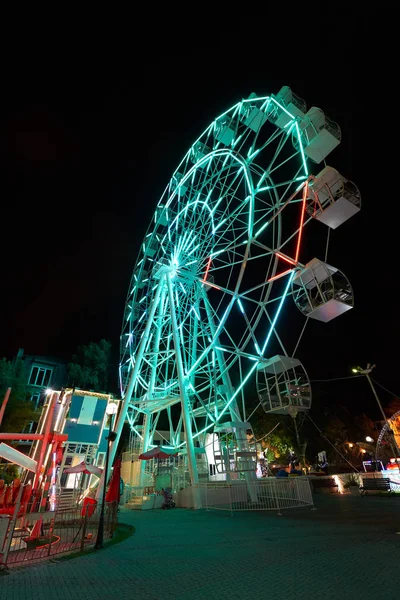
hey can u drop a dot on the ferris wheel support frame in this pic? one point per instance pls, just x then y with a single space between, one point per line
184 398
134 373
147 418
233 407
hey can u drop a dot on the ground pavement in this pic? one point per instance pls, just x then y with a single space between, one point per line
349 548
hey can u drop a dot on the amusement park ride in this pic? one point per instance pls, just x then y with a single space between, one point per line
224 254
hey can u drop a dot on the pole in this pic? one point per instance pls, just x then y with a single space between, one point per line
143 446
4 404
194 479
100 532
383 413
136 368
46 434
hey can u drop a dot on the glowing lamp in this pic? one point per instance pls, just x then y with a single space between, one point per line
112 408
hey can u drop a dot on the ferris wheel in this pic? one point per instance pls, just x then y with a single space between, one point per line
219 262
388 442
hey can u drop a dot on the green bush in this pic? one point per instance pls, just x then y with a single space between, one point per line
8 472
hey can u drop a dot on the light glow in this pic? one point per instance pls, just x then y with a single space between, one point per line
303 208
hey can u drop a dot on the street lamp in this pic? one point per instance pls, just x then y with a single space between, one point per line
369 439
366 372
111 410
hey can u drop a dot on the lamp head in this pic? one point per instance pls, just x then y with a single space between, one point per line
112 408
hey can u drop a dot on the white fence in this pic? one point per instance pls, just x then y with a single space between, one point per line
265 494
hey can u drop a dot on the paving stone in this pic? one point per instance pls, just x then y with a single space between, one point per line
346 549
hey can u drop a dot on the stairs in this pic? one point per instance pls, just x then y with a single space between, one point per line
135 503
66 500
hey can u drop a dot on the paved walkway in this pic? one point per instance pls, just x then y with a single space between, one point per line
347 549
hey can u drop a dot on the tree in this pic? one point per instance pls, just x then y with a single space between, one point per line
336 432
90 365
394 407
280 441
19 410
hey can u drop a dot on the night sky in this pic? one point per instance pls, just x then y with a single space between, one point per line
86 156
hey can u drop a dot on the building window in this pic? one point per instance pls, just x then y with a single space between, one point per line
35 399
40 376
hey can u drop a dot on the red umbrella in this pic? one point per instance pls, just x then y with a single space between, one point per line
85 468
113 493
157 453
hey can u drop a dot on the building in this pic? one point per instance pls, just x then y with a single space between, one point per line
43 372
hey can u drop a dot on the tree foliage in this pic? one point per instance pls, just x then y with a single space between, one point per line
89 368
281 439
19 410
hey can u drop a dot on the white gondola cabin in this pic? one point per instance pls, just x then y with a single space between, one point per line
176 184
320 135
289 103
251 115
283 385
231 449
333 198
199 151
224 130
321 292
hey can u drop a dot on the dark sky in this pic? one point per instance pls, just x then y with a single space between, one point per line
86 155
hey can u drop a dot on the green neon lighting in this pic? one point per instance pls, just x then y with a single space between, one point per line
250 158
261 229
283 108
219 225
193 250
290 128
278 311
234 142
265 105
256 99
301 149
253 368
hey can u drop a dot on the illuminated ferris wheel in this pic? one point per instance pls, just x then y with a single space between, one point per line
221 258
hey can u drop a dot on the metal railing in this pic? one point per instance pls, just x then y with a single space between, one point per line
265 494
61 532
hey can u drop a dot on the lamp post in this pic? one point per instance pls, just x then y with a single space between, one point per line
111 410
366 372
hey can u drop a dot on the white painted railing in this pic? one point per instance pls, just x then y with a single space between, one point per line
265 494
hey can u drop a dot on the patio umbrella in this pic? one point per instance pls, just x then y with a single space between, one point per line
85 468
113 493
157 453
